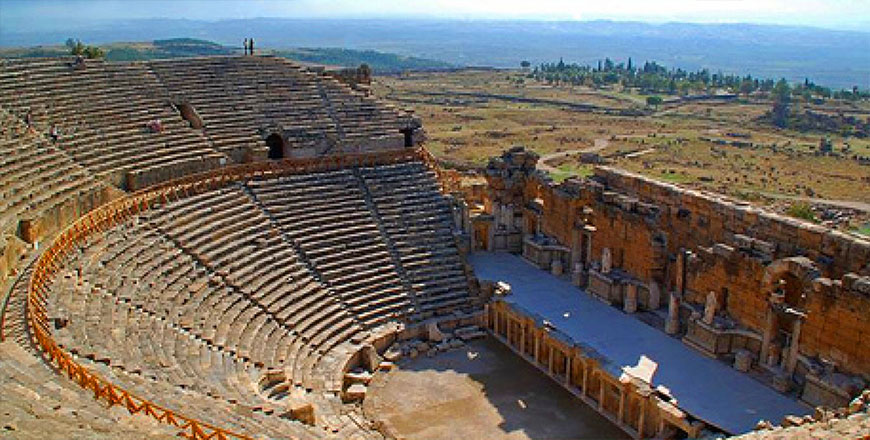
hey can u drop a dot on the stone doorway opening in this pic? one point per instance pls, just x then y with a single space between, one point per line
276 146
409 136
788 282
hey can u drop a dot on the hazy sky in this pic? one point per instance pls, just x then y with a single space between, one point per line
843 14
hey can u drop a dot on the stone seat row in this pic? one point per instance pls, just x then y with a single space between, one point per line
418 219
235 338
349 253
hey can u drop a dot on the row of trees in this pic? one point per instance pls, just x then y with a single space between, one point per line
652 77
76 47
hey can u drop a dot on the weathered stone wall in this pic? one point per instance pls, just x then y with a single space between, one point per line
731 247
694 218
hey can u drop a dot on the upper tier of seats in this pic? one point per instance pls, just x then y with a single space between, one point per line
100 113
37 176
240 99
72 132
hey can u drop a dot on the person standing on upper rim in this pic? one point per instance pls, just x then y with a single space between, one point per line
246 46
251 43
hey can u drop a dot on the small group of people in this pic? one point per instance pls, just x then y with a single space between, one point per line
154 126
249 46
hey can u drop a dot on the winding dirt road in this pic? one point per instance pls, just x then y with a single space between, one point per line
599 145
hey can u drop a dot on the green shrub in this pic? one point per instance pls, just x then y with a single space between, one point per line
801 210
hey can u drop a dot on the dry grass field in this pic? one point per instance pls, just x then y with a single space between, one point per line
472 115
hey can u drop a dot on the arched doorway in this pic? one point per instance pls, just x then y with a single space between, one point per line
276 146
409 136
787 281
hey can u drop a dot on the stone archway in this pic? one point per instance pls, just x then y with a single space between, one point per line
787 283
275 142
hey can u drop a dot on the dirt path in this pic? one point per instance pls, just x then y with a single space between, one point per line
847 204
599 145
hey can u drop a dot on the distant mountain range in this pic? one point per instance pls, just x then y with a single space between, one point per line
380 62
839 59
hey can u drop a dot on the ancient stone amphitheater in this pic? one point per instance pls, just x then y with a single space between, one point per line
229 247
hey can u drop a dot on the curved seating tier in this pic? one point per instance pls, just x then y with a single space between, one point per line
418 221
237 96
101 112
241 299
37 176
326 215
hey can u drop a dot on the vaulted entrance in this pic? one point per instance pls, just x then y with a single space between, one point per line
276 146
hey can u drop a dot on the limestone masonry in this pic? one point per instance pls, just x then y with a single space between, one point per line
236 247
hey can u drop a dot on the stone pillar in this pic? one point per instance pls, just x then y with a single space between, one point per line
767 337
606 261
641 418
620 415
577 275
791 363
601 385
710 308
629 303
537 347
655 295
568 370
672 326
585 379
576 247
552 353
589 230
681 272
522 339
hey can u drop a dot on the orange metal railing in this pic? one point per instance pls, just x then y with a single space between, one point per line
108 215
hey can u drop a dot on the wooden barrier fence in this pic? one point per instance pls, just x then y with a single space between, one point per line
119 210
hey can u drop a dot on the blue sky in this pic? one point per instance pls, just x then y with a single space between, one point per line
836 14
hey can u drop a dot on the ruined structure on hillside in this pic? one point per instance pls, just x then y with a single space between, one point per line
761 291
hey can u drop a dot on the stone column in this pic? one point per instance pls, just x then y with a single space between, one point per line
568 370
537 347
629 303
681 272
672 326
589 230
601 385
522 339
552 353
655 295
620 415
576 247
585 379
793 348
767 337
